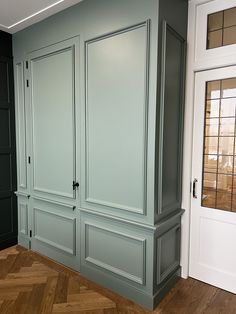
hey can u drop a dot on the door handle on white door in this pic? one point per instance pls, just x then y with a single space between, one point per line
195 188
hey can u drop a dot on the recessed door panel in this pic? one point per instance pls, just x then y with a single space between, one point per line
53 122
5 171
116 120
4 84
21 127
4 128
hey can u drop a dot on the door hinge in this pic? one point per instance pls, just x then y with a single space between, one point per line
27 83
75 185
27 64
30 233
29 160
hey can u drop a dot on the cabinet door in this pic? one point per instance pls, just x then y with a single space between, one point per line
8 211
54 219
52 85
114 180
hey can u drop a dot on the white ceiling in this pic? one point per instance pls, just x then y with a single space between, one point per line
18 14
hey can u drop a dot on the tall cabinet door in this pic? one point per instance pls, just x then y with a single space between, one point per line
54 191
8 212
116 110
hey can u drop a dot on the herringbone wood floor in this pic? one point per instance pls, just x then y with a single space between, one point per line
33 284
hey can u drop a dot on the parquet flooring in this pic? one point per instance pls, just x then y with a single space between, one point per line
33 284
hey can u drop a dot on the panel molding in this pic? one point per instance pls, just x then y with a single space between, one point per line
177 204
72 207
52 243
23 225
88 199
21 125
161 276
55 49
115 270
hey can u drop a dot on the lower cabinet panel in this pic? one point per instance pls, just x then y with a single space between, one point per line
23 221
61 237
118 255
23 218
55 232
116 252
168 253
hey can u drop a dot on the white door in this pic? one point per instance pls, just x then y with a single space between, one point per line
213 206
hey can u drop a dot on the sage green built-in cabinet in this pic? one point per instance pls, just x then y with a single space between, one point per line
99 101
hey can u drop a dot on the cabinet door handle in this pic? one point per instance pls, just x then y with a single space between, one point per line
75 185
195 181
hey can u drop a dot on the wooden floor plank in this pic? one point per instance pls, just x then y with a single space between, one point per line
33 284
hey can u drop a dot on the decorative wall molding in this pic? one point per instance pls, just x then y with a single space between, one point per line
140 280
174 232
21 125
177 203
43 239
88 198
53 50
23 218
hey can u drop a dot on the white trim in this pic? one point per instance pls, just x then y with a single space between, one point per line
188 136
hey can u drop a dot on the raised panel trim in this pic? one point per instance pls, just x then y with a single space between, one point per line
160 277
52 243
23 226
21 126
50 51
5 60
165 28
117 271
72 207
150 228
143 210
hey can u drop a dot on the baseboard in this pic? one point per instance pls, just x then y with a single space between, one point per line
165 288
118 286
24 242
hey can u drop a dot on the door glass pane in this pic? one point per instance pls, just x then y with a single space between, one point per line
221 28
215 21
229 88
227 126
213 90
219 162
213 107
212 127
227 108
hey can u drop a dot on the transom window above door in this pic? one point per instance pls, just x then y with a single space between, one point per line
221 28
219 165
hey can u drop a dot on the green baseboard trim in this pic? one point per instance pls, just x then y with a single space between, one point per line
118 286
165 288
